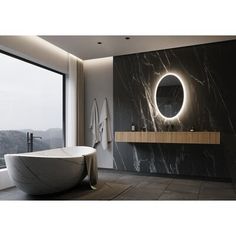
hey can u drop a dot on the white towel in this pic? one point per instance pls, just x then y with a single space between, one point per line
92 169
94 126
105 125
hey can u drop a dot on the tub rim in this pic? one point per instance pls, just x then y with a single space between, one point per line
34 154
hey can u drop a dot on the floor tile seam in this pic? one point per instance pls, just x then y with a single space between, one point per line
178 199
108 199
178 191
200 189
124 191
166 188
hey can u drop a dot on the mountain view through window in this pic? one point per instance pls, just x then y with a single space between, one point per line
31 100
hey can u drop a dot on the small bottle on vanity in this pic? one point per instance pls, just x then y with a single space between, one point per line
133 128
192 129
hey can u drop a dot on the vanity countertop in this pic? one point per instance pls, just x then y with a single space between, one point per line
183 137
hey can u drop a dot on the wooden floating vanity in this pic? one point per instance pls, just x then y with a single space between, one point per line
168 137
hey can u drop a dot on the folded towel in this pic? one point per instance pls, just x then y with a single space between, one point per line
105 125
94 126
92 170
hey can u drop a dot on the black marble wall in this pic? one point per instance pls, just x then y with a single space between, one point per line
209 75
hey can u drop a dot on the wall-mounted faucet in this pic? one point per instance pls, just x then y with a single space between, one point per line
30 141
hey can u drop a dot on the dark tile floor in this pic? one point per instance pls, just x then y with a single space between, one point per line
123 186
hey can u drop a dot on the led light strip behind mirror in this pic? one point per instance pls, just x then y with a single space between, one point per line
184 97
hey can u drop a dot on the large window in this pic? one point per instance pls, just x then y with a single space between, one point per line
31 100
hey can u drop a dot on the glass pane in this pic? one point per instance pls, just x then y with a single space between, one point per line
31 100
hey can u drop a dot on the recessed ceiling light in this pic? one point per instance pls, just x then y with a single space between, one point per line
99 42
127 38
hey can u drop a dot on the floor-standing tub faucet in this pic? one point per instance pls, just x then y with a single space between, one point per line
30 141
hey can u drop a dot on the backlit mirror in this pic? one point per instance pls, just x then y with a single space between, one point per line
169 96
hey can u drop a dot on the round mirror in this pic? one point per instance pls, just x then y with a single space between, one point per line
169 95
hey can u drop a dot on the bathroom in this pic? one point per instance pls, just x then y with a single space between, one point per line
148 152
148 156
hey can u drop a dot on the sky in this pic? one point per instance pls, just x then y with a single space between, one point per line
30 96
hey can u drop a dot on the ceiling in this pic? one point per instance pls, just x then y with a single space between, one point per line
87 47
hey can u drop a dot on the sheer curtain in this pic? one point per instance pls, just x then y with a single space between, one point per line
80 103
75 102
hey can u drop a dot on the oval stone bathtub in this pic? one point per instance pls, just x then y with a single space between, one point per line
51 171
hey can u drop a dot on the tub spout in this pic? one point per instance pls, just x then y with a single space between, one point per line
30 141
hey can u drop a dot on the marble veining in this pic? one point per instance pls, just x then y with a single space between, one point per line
208 72
52 171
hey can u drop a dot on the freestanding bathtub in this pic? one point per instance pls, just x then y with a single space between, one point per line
52 171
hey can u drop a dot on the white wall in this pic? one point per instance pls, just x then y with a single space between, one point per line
99 84
5 181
